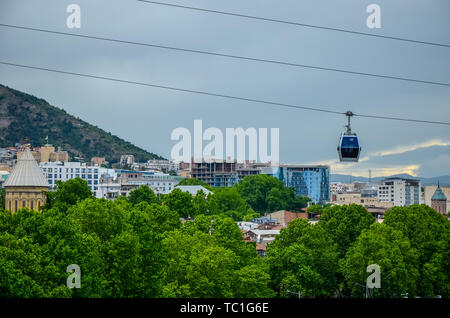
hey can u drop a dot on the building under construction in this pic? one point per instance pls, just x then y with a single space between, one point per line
223 173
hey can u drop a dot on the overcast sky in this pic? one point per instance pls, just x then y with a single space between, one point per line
146 116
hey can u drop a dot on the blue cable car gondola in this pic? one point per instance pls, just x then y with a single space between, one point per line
348 147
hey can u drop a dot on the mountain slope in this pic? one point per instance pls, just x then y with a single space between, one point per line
23 115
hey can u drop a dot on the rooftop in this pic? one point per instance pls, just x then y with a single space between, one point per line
193 189
439 195
26 173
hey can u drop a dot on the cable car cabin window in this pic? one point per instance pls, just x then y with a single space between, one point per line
350 142
350 147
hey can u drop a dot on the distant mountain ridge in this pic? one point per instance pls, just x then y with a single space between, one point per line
344 178
23 115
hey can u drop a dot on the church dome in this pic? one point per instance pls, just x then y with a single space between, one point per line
439 195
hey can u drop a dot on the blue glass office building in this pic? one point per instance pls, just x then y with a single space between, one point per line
310 181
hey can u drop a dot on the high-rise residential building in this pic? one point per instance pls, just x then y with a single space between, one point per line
400 191
307 180
312 181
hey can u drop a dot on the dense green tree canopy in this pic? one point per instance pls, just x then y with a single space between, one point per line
344 223
264 193
392 252
208 258
228 200
181 202
2 198
303 259
68 193
142 194
429 233
137 246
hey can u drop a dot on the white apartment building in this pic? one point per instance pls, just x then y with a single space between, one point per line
399 191
337 187
160 183
160 165
124 181
64 171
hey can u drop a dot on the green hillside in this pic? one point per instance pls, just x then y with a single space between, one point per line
23 115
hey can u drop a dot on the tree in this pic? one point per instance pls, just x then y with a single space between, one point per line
197 267
429 233
155 218
2 198
251 214
279 198
200 202
344 223
315 209
264 193
68 193
142 194
104 218
23 265
303 258
226 233
252 282
391 251
180 202
300 202
225 200
254 189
